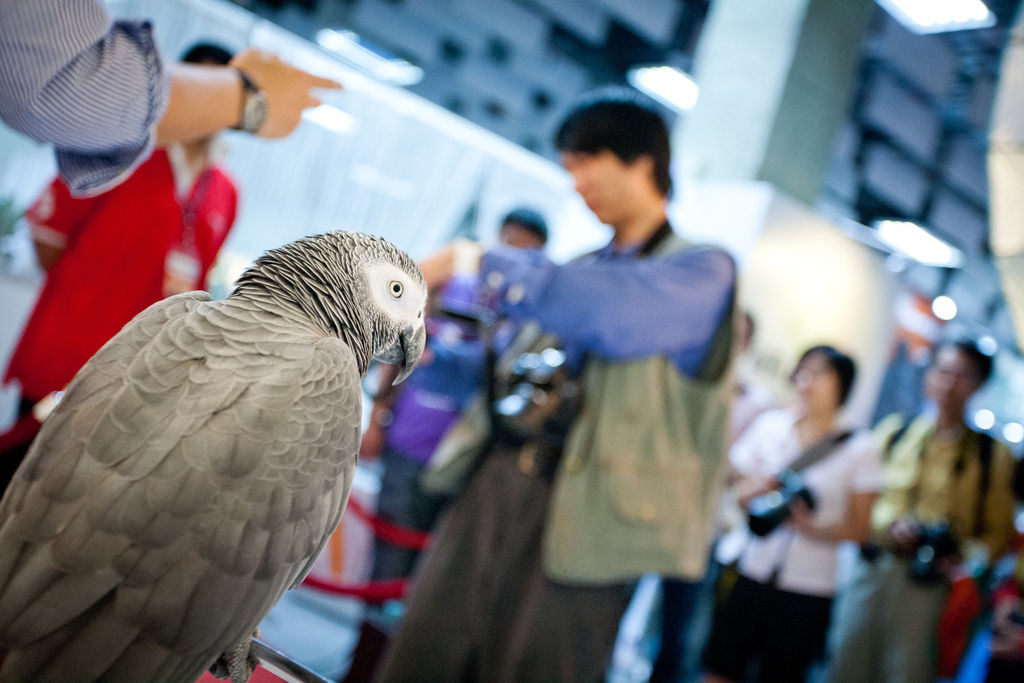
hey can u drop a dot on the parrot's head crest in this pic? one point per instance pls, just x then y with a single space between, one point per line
358 287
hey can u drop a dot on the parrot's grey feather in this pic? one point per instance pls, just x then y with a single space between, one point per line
192 473
152 472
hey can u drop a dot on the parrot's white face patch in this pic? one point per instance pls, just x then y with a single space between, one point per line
395 293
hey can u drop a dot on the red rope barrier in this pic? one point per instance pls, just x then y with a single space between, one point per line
374 591
392 533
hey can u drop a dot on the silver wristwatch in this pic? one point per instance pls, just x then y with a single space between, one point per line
254 105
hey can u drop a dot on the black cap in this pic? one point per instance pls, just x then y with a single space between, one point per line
529 219
206 52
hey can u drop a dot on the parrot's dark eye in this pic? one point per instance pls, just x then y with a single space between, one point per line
396 288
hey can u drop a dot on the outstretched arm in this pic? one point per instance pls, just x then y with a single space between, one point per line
205 99
622 310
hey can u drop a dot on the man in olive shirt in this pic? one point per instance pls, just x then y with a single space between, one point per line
938 472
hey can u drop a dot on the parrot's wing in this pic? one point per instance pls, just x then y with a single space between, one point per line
193 468
103 371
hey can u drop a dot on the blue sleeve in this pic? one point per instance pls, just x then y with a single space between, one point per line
622 309
93 89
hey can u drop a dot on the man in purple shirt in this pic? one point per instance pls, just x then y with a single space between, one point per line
409 420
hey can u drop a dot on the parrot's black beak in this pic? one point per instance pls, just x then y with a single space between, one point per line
412 340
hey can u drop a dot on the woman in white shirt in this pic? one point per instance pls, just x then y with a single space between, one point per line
777 614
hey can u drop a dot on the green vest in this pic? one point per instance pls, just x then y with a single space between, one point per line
638 485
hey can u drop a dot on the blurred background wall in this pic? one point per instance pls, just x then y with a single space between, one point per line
815 120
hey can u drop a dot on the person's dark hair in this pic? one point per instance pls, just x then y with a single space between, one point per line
843 365
981 361
623 122
529 220
206 53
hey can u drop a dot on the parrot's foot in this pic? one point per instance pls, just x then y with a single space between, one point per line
238 665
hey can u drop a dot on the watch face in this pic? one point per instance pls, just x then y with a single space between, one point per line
255 114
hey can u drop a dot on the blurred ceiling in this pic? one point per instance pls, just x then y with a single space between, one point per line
508 65
912 148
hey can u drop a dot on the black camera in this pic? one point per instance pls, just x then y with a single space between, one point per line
936 543
767 511
541 399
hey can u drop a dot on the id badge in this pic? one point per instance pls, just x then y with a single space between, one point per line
181 271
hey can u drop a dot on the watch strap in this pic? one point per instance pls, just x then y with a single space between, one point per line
247 83
249 90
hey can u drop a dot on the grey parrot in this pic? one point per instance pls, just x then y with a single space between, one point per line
197 465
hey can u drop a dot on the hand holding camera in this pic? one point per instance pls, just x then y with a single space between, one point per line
541 398
768 510
937 553
932 548
801 518
905 534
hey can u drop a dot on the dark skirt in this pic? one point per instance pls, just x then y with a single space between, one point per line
780 632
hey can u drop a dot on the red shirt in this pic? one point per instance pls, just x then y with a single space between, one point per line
113 263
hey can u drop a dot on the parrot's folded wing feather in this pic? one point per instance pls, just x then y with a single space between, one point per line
182 486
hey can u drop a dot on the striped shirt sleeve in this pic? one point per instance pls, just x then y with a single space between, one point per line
94 89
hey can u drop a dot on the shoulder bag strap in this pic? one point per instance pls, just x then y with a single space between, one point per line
894 438
985 457
819 450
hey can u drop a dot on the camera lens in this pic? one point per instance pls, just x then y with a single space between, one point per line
767 502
